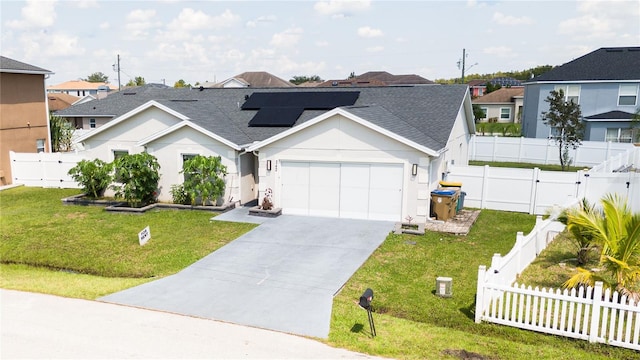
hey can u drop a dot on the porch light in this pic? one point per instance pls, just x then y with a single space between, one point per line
268 165
414 169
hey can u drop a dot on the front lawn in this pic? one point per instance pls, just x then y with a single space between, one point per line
413 323
36 229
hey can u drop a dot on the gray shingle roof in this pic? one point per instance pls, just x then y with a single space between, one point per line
8 65
622 63
423 114
611 115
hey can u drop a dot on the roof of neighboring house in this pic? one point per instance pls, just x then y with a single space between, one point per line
619 63
257 79
611 115
423 114
8 65
81 85
500 96
59 101
379 78
478 82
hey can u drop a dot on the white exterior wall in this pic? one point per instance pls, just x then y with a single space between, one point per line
126 134
170 148
339 139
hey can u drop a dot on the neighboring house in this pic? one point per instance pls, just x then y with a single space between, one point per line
255 79
378 78
370 153
82 88
61 101
89 113
24 117
604 83
479 87
503 105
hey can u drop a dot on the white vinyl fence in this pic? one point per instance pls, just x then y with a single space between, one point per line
44 169
587 313
540 151
535 191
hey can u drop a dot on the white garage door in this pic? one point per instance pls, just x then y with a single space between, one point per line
357 191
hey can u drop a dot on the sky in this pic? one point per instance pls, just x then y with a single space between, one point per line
197 41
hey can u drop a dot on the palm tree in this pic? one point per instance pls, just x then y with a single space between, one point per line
617 232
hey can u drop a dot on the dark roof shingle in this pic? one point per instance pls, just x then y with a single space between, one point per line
423 114
621 63
8 65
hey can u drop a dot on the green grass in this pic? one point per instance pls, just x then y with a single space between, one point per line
47 281
100 254
36 229
556 264
413 323
518 165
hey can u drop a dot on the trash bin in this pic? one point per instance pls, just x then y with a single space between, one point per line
461 201
454 185
443 203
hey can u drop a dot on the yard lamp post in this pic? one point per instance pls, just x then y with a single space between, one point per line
365 303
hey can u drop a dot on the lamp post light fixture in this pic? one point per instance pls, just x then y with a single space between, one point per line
365 303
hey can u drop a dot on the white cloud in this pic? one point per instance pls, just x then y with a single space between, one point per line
322 43
139 22
341 8
499 51
261 20
375 49
35 14
86 4
105 25
190 19
612 21
402 40
503 19
287 38
51 45
369 32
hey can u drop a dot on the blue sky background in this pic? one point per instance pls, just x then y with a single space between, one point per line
214 40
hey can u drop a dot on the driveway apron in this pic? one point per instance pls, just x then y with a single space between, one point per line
282 275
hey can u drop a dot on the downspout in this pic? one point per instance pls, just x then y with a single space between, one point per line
46 106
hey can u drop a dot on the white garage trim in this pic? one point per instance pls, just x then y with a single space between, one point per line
341 189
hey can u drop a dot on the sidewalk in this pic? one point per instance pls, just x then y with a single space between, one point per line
40 326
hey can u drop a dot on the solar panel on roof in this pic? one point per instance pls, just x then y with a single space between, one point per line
307 99
283 108
276 117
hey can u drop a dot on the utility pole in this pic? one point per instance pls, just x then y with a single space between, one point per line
116 67
462 64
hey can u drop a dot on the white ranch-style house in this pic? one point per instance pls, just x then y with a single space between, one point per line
367 153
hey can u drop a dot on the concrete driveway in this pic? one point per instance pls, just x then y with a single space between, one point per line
282 275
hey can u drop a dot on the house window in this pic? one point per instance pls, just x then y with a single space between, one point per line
484 113
92 123
628 94
571 92
186 157
40 145
119 153
505 113
619 135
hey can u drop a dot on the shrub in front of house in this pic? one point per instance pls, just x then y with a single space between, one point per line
94 176
204 179
136 178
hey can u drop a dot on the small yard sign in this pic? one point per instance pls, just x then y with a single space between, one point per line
144 235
